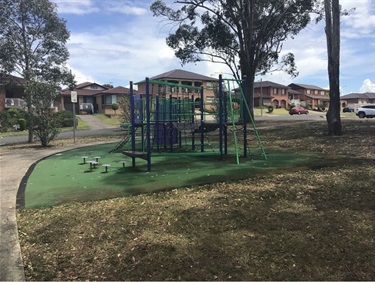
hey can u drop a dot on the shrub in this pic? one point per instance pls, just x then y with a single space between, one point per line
270 109
22 124
115 107
66 118
4 121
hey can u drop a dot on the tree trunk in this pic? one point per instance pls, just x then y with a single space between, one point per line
332 12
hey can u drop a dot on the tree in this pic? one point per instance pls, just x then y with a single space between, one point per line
46 123
332 18
245 35
32 44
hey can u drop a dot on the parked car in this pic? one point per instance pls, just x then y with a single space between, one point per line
348 110
367 110
298 111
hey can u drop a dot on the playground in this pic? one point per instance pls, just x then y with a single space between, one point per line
171 142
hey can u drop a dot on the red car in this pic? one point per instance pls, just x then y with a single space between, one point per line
298 111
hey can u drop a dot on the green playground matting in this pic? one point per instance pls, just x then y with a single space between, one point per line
63 177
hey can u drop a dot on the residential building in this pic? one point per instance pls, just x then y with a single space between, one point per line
355 99
93 98
269 93
86 97
179 76
11 92
311 95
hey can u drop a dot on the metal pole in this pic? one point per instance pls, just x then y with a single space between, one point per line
74 123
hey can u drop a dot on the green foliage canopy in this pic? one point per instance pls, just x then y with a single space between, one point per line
245 35
32 44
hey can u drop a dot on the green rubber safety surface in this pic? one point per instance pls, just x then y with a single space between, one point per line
64 177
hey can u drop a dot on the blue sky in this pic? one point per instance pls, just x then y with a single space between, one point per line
117 41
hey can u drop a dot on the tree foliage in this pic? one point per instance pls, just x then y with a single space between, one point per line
245 35
46 123
32 44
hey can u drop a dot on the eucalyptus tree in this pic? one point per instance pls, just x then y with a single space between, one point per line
332 19
245 35
32 44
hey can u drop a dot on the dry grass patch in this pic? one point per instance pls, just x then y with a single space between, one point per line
307 225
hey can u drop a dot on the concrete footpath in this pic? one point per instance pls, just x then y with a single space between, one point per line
14 164
13 167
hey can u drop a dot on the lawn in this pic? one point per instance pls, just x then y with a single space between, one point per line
313 222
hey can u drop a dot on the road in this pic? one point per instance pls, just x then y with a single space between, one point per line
63 135
117 131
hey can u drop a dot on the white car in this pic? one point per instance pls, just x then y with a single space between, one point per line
367 110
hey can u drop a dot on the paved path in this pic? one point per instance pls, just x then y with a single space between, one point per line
13 167
95 123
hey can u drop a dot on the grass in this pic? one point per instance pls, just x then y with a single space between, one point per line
114 120
307 224
81 126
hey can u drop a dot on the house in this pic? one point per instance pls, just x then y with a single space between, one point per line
354 99
270 93
86 97
113 95
311 95
11 92
93 98
179 76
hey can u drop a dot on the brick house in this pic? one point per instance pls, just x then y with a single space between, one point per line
354 99
311 95
86 97
113 95
271 93
11 92
179 76
95 96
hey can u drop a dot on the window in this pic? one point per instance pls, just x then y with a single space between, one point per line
93 87
275 91
283 91
110 99
316 92
322 92
308 91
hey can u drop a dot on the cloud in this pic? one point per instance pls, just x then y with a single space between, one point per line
79 76
367 86
76 7
83 7
361 21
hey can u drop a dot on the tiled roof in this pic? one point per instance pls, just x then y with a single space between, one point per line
117 90
318 97
81 92
305 86
294 92
8 79
367 95
266 83
183 74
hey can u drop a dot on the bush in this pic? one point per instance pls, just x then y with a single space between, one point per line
22 124
270 109
4 121
115 107
66 118
10 119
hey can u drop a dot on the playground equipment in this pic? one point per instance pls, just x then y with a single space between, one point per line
160 123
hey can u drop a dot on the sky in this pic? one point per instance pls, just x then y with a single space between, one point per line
118 41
